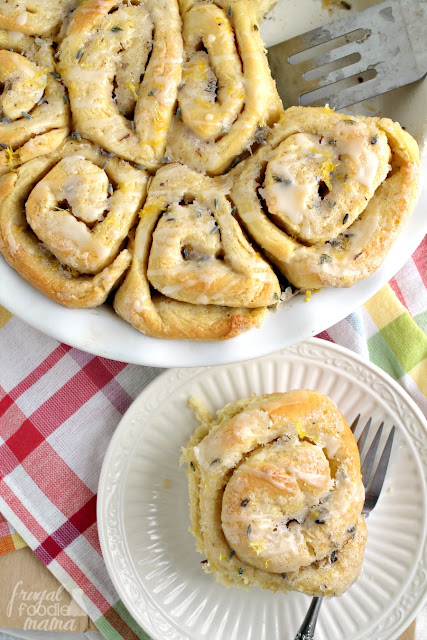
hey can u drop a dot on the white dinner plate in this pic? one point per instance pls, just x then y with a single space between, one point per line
143 514
102 332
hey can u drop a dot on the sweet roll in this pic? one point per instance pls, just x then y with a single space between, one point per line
276 494
34 116
65 220
227 96
326 197
34 17
121 62
194 275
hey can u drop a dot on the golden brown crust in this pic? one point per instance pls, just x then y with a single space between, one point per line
260 7
37 18
34 115
276 494
210 282
180 321
123 83
336 192
44 208
227 95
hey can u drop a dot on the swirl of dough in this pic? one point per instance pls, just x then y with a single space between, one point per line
227 94
34 17
335 192
193 275
276 494
121 62
64 221
33 113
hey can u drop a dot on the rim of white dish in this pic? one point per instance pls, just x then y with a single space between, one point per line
102 332
184 375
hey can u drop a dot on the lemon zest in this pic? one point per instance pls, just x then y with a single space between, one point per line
150 208
132 88
327 168
124 187
258 546
300 430
203 103
10 156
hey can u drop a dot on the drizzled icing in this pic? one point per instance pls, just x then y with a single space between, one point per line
362 154
281 500
227 78
35 17
24 83
122 72
288 196
199 255
292 475
368 170
315 187
211 96
81 217
64 228
77 232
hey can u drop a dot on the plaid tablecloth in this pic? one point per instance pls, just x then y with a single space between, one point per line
60 406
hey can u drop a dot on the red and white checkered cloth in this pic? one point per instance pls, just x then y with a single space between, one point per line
60 406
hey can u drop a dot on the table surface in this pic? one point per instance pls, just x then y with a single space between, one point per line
12 634
24 565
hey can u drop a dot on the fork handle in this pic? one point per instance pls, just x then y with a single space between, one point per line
306 630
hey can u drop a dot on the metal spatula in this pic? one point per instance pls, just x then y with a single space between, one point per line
355 58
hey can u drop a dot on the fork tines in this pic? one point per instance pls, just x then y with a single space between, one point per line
373 480
377 481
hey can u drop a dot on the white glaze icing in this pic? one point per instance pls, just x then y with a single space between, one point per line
331 443
268 477
21 19
368 169
77 232
363 156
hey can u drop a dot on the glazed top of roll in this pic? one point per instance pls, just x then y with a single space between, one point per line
313 181
121 62
34 17
327 194
280 489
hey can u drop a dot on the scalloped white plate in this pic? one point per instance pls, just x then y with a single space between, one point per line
102 332
143 523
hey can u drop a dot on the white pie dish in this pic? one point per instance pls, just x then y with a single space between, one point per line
102 332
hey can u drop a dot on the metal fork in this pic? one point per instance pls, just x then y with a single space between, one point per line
373 483
368 53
